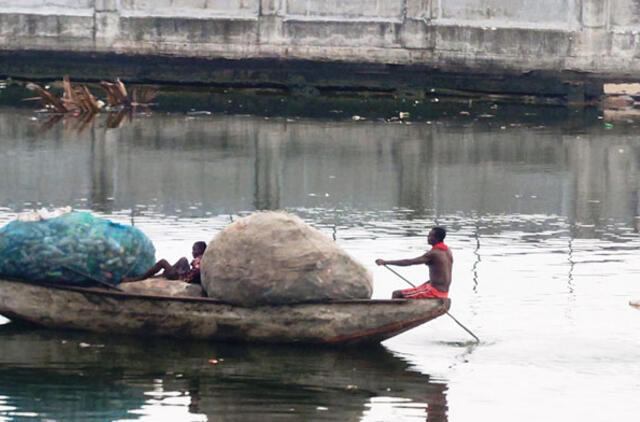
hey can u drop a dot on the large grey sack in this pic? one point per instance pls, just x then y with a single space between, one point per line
276 258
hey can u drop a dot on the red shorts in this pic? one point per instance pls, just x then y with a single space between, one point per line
424 291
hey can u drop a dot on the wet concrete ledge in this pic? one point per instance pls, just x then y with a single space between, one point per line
304 77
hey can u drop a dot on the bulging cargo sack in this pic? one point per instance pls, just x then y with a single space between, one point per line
276 258
74 248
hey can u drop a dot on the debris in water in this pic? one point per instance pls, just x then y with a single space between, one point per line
78 99
118 96
621 88
619 102
48 101
86 345
198 113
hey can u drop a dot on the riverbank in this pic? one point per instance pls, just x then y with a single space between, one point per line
352 105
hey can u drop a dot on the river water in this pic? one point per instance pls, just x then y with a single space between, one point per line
543 219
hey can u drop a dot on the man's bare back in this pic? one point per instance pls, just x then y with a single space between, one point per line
440 262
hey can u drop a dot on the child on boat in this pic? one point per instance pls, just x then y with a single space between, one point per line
181 270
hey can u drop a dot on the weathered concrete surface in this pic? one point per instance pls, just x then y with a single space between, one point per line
573 40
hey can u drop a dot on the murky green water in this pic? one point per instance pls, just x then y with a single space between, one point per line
543 219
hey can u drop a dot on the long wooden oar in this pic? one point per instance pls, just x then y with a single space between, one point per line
456 321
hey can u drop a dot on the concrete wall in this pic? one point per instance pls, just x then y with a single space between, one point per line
598 36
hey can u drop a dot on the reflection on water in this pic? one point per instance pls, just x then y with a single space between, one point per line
543 223
190 166
78 376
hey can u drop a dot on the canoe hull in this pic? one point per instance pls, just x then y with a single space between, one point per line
339 322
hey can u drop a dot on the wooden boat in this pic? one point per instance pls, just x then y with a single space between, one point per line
101 310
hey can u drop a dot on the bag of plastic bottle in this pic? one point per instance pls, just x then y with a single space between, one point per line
73 248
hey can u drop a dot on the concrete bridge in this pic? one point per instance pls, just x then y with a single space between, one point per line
555 47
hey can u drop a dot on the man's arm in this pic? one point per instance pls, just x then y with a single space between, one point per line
424 259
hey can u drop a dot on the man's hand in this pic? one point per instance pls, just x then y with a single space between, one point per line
380 261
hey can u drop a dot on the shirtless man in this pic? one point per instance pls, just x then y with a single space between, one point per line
439 259
180 270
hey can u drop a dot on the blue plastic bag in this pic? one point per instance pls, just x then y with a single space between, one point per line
75 248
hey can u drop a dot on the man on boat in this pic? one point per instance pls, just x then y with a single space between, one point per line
181 270
439 259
